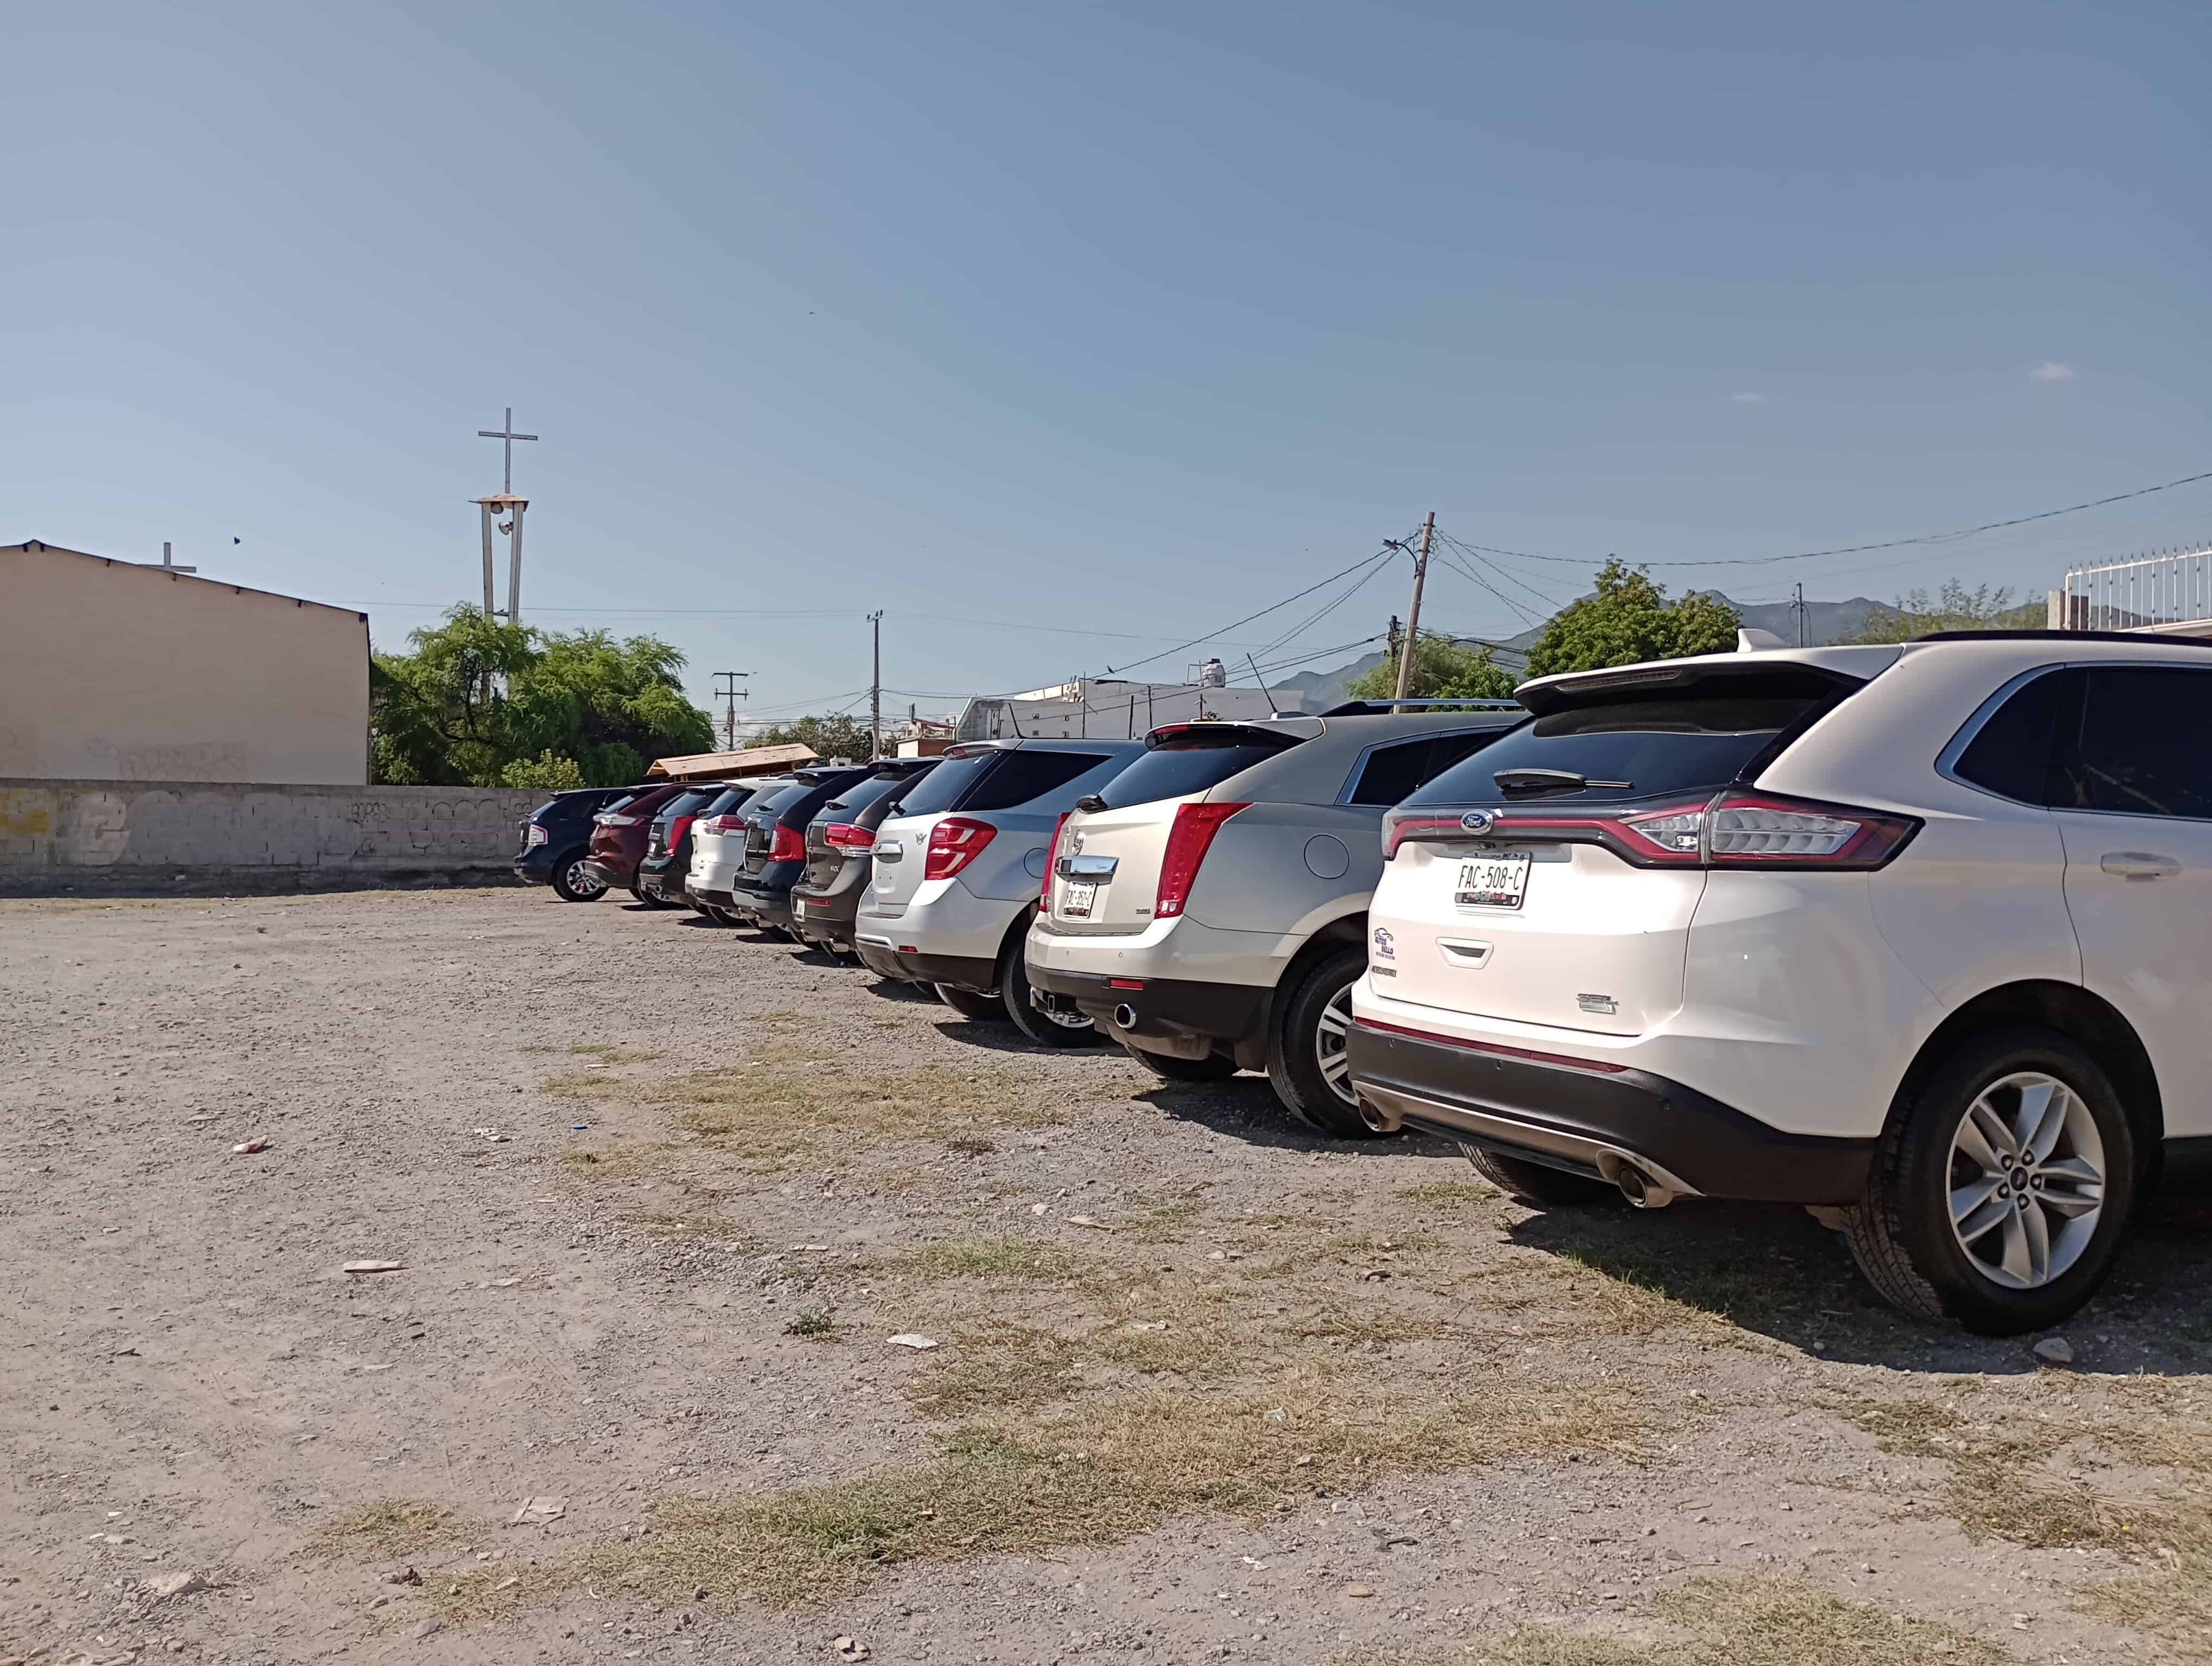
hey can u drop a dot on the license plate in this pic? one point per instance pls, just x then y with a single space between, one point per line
1079 899
1493 882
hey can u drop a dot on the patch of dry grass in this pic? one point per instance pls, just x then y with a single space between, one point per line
1450 1194
606 1055
384 1529
2134 1480
1732 1622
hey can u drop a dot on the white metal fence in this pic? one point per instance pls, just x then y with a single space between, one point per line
2172 588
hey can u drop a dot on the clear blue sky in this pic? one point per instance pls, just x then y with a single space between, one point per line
1124 319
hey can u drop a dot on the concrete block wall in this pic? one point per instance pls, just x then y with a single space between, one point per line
139 836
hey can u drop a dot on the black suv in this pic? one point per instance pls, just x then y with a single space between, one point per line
838 842
775 841
667 860
557 840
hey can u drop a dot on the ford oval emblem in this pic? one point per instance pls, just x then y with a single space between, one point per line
1478 821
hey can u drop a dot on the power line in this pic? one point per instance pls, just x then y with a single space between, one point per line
1886 543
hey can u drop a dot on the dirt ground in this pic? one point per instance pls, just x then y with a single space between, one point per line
1204 1387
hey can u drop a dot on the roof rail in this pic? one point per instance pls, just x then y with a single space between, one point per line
2134 638
1368 708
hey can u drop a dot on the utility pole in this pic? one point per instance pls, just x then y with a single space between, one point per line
1414 614
729 696
875 690
1798 607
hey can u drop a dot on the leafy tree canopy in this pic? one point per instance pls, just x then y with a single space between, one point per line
1628 620
1954 608
829 737
479 704
1442 670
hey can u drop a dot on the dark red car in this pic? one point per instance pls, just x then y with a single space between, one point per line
619 834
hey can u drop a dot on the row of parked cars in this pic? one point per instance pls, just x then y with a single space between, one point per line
1918 937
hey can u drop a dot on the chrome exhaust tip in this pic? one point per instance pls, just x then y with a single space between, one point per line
1641 1190
1380 1120
1125 1017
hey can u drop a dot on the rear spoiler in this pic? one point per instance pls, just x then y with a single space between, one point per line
1221 733
1758 675
1385 708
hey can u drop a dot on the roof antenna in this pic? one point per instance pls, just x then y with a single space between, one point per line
1015 720
1266 692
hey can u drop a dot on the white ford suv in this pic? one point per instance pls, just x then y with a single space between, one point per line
1919 936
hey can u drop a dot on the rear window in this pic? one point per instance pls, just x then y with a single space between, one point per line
1023 775
1189 763
940 789
773 803
683 804
1647 746
728 799
855 799
613 804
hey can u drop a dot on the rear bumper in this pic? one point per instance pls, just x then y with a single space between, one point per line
824 917
1589 1116
535 866
1163 1008
767 895
886 958
610 874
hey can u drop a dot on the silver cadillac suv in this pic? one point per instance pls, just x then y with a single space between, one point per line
1207 907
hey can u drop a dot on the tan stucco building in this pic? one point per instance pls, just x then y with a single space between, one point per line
115 670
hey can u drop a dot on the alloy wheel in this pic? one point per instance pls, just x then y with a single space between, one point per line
2027 1180
582 882
1330 1034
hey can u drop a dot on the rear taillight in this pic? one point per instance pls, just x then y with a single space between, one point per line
619 821
677 829
787 845
1733 829
844 836
1052 856
1188 840
953 843
720 825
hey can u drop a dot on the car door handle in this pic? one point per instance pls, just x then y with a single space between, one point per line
2139 865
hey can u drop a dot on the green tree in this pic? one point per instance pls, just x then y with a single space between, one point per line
548 771
476 697
1953 608
829 737
1442 670
1628 620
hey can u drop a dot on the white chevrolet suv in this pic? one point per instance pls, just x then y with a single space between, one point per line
1920 937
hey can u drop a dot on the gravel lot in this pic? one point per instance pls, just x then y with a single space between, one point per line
1204 1387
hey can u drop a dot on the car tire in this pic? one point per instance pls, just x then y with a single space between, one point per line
649 899
571 884
1305 1053
968 1003
1538 1185
1997 1106
1213 1068
1045 1028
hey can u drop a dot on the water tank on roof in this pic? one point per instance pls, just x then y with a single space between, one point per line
1213 675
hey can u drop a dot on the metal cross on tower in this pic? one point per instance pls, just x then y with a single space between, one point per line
507 434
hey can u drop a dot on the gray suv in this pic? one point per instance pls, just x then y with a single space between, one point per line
1207 907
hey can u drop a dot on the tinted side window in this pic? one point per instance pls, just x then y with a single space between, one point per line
2011 755
856 798
1391 773
1022 775
2143 746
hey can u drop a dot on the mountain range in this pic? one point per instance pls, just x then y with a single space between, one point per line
1824 622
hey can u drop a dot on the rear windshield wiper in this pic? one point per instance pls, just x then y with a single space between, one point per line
1551 780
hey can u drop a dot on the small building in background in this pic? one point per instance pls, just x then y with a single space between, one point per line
732 766
114 670
1112 707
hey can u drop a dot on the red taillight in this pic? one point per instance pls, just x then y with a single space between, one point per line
720 825
619 821
845 836
1732 829
1188 840
677 829
954 843
1051 856
787 845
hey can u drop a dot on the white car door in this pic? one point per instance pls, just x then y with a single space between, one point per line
2135 779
